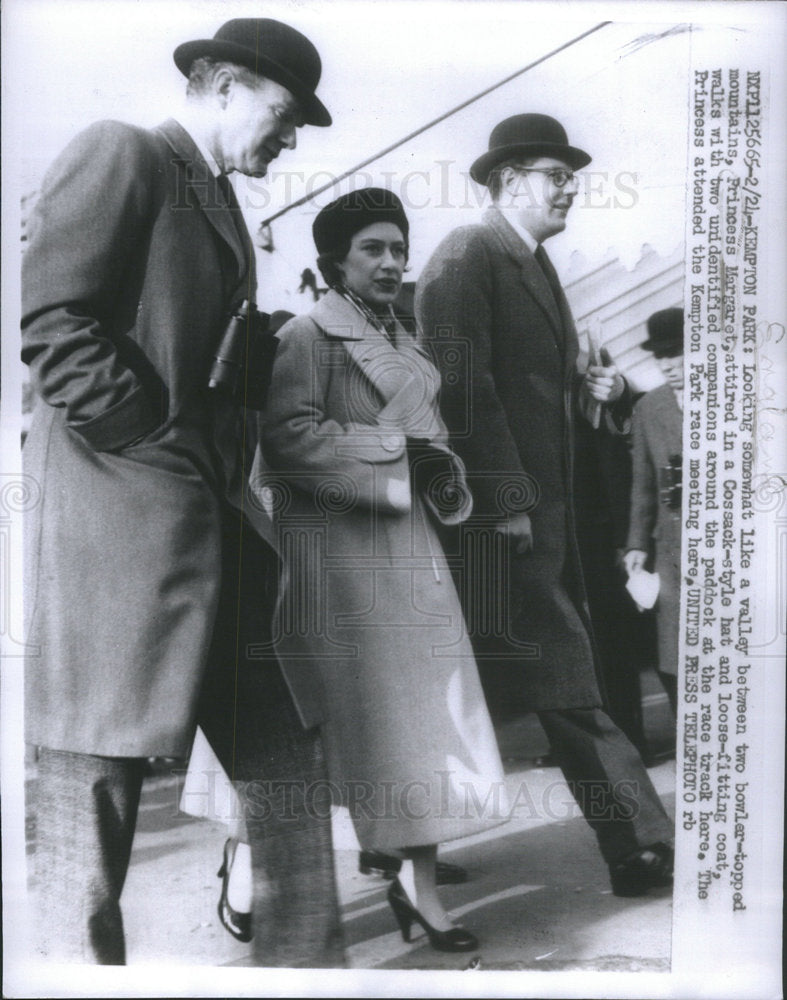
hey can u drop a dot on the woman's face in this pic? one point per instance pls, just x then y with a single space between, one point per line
375 262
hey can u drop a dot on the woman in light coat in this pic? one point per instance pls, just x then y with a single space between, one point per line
370 630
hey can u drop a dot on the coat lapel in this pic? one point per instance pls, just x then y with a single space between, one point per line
667 413
371 351
404 377
532 276
200 179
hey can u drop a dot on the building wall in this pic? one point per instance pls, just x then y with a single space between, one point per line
616 302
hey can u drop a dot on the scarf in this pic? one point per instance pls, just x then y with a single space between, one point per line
385 324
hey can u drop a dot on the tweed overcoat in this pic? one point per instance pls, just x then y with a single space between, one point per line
506 345
133 263
657 436
370 631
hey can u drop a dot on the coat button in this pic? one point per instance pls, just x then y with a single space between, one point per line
392 442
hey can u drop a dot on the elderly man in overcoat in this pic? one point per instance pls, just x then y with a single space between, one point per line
657 450
492 306
145 587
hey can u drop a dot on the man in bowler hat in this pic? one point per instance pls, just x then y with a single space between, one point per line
146 586
657 459
492 306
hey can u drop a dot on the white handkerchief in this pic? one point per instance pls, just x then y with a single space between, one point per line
644 588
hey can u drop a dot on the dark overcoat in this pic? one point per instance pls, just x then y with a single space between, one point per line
657 436
507 348
370 631
133 262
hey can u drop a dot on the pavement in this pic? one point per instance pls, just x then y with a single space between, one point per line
538 895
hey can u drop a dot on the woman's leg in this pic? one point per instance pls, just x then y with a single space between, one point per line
208 792
418 878
239 884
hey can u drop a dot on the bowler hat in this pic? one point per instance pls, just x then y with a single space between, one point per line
527 135
665 333
270 48
337 223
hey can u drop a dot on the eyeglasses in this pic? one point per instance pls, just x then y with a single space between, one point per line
557 175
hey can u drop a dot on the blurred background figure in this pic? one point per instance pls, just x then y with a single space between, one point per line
655 528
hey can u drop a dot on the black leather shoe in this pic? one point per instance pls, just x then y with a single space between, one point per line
457 939
373 862
237 923
448 874
649 868
389 867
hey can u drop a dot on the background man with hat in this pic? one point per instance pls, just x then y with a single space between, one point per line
508 393
657 458
145 587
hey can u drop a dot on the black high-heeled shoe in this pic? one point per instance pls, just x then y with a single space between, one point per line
237 923
457 939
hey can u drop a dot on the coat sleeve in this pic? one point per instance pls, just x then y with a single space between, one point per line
339 464
644 487
455 311
89 222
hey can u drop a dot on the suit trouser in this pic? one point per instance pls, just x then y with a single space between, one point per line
85 819
618 630
608 780
87 805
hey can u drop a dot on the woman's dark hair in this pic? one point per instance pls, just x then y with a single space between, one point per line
327 262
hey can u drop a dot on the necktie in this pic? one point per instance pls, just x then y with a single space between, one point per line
557 293
233 205
549 272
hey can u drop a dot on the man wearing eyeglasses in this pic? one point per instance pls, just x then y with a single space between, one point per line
492 307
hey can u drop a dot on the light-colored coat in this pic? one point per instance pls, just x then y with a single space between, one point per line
507 352
370 632
657 436
133 262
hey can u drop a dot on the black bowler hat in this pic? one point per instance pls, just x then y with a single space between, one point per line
267 47
337 223
665 333
526 136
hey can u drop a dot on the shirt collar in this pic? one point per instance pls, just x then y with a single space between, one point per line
510 214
